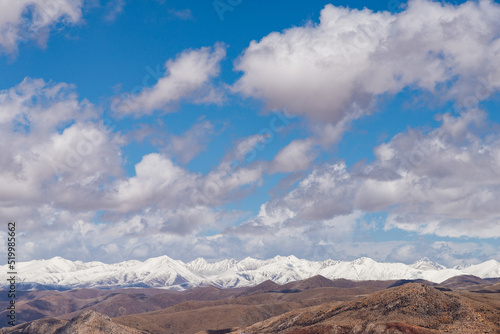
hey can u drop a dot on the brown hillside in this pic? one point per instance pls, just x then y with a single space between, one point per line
88 322
194 316
309 306
68 304
410 308
464 282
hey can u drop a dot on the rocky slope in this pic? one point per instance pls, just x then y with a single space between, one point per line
410 308
88 322
315 305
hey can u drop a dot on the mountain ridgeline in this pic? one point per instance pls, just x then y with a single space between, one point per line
163 272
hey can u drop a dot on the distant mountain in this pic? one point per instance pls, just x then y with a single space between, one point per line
465 281
420 281
164 272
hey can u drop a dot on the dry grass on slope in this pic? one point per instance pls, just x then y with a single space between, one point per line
410 308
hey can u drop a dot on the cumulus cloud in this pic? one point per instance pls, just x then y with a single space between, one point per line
324 194
433 177
189 73
161 183
274 231
245 149
338 66
192 142
32 19
159 232
52 144
442 182
341 238
50 231
61 168
157 181
296 156
238 174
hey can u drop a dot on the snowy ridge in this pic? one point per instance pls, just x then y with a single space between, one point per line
164 272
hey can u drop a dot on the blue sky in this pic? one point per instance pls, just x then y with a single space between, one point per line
226 129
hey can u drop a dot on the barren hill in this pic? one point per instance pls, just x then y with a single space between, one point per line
410 308
88 322
35 305
463 282
316 305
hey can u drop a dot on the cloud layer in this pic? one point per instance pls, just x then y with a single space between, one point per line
332 69
25 20
442 182
62 167
187 76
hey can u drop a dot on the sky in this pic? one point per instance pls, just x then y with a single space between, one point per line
221 129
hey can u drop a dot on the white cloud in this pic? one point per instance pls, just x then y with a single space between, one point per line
237 174
61 169
158 181
337 67
246 149
162 184
47 231
52 146
191 72
443 182
435 178
192 142
32 19
322 195
296 156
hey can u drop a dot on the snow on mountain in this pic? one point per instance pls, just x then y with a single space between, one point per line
204 268
279 269
250 264
158 272
488 269
366 269
164 272
426 264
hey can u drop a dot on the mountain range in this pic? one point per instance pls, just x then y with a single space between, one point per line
163 272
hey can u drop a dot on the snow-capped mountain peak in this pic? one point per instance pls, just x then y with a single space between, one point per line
165 272
204 268
426 264
363 261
